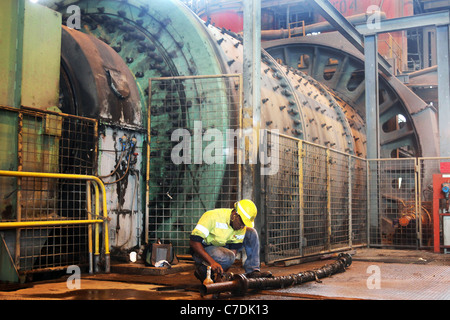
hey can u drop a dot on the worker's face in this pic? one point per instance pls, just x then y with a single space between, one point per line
236 221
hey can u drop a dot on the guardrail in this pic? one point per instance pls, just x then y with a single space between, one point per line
315 203
92 219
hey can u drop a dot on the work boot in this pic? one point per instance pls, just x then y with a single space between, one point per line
259 274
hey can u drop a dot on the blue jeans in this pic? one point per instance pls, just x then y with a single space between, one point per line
225 257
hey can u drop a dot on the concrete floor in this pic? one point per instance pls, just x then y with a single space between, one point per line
400 275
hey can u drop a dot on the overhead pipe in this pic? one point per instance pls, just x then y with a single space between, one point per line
241 284
316 27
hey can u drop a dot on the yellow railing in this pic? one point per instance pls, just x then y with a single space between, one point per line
98 220
293 31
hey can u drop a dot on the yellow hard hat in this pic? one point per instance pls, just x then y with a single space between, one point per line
247 211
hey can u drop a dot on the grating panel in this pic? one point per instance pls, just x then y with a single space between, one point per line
392 203
316 201
396 282
339 203
192 163
358 183
49 142
282 204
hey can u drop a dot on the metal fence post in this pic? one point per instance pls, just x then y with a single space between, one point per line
300 193
368 203
350 211
328 169
417 194
147 171
89 216
19 186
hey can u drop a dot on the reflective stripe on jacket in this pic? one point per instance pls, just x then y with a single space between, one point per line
215 229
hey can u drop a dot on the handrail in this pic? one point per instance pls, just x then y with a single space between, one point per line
98 220
292 31
44 223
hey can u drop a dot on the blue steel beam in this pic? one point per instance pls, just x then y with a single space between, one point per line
372 101
441 18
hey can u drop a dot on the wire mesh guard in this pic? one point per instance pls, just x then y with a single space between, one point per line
316 201
47 142
192 163
392 203
322 200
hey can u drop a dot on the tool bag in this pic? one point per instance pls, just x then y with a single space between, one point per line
158 251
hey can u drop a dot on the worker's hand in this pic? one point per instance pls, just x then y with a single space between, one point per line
216 268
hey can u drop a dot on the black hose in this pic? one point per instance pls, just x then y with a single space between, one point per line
241 284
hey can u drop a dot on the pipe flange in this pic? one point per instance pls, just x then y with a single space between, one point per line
243 285
346 259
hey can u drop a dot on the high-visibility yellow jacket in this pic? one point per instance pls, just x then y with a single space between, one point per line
215 229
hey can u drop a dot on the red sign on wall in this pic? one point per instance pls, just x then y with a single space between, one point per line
445 167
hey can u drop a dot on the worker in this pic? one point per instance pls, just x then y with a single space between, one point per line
220 234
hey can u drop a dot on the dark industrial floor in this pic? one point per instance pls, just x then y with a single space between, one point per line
403 275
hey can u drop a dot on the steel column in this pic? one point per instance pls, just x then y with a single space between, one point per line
372 103
441 20
372 119
252 96
442 37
